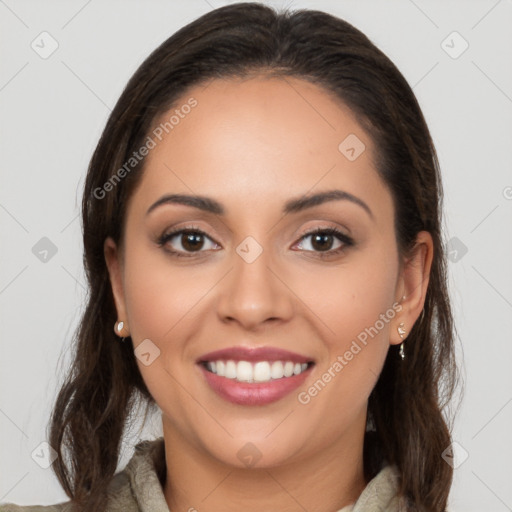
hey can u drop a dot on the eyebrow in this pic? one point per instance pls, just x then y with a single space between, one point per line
208 204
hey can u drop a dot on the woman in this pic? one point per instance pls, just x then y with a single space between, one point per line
262 233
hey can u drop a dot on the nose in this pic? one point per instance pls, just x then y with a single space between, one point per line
254 294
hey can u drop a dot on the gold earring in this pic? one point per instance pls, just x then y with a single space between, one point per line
401 332
121 330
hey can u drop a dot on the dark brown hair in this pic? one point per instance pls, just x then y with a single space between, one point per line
96 402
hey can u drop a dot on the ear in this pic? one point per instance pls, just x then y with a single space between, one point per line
413 284
114 260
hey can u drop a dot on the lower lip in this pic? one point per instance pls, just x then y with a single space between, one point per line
260 393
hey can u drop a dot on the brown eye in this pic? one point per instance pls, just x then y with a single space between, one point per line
192 241
185 242
327 240
322 242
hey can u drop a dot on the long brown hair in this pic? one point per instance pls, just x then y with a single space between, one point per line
407 406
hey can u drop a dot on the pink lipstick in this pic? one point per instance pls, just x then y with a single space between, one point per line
254 376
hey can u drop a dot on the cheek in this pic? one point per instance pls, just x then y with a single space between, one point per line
166 304
160 295
354 305
163 302
349 300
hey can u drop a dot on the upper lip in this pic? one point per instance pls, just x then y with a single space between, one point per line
241 353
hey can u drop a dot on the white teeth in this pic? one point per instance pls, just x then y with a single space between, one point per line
288 369
277 370
230 370
261 371
244 371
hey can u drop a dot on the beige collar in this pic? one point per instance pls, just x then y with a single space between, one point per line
146 474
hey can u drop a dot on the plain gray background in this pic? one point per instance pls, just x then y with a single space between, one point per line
53 110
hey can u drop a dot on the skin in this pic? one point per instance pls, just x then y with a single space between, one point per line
252 145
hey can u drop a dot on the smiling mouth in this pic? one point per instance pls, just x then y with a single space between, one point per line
256 371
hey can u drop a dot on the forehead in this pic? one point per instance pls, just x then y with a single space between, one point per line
259 140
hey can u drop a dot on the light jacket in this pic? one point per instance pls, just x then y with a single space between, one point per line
138 487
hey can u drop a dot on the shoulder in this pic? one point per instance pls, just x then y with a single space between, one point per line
11 507
381 492
139 482
119 495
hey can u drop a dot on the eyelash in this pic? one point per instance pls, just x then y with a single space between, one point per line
342 237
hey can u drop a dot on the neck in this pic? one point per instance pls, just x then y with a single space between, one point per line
324 482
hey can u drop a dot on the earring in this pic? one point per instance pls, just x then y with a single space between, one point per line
121 330
401 332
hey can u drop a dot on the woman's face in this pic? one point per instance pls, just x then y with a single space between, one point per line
247 274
